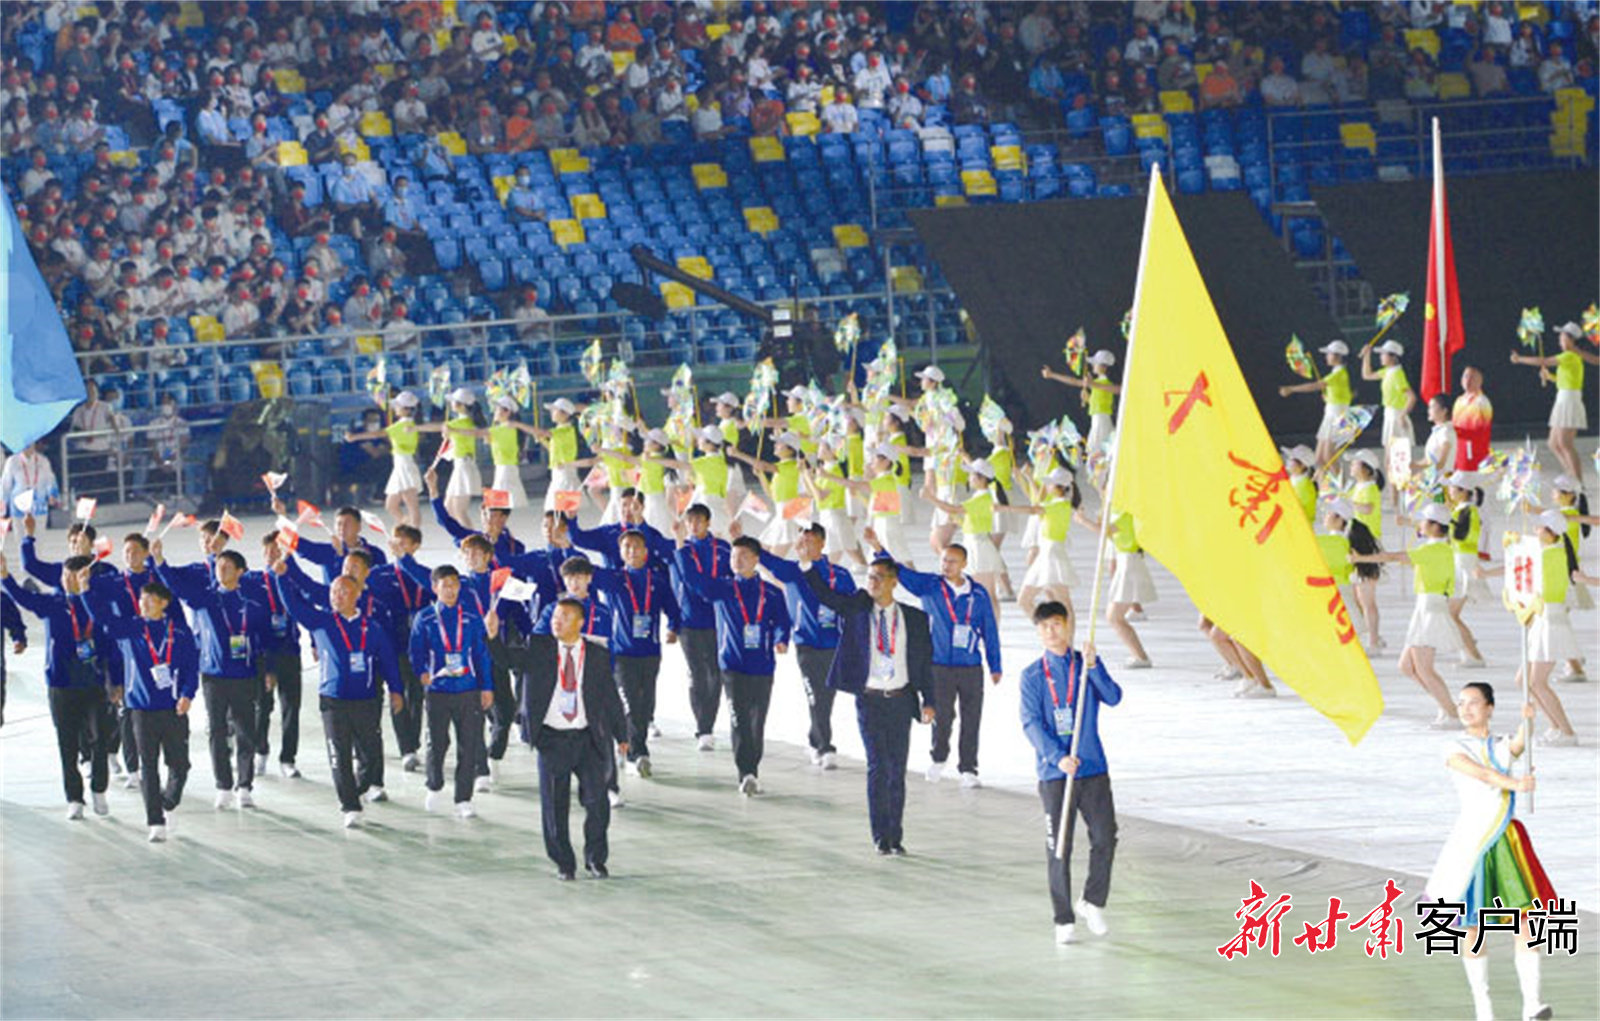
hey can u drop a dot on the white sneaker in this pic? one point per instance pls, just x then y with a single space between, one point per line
615 798
482 785
1064 934
1137 615
1135 663
1571 677
261 764
494 771
376 794
101 805
1537 1012
1445 721
430 801
352 820
935 772
410 763
830 761
244 798
1250 688
749 785
288 771
224 800
642 768
1556 739
74 810
1472 662
158 834
464 810
969 781
1092 916
816 756
705 743
1227 673
655 731
132 782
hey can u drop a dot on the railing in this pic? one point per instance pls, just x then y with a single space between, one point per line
118 466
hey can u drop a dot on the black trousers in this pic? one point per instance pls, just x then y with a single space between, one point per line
502 714
407 722
950 684
814 665
462 710
748 698
231 711
354 727
564 754
885 723
705 677
285 666
636 681
1092 796
80 719
161 733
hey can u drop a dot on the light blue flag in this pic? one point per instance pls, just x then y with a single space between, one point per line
41 382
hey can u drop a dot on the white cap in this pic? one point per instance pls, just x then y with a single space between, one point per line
711 434
1301 453
1572 328
1368 458
857 415
1004 425
796 392
900 411
1565 484
463 395
932 372
1335 347
727 398
981 467
1438 513
659 437
1103 357
1460 480
1555 521
406 399
1343 508
1392 347
508 402
563 405
887 451
789 439
1059 477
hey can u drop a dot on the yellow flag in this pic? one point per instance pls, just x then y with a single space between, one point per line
1209 494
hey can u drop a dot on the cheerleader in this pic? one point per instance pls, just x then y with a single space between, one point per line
1051 576
1004 465
1336 542
1366 499
651 468
830 499
461 432
1335 390
1299 461
882 477
784 485
976 515
1398 397
400 493
1240 663
854 466
1487 862
1571 502
892 430
726 410
1567 416
1439 453
1466 531
1099 395
1431 631
711 477
618 473
943 481
561 445
505 448
1130 587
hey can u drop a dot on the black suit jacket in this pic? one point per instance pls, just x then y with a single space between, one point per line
852 663
539 662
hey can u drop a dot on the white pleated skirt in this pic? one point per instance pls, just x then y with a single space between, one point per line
1568 412
1431 626
613 512
1396 425
982 557
404 476
841 533
942 517
1357 621
1468 585
1130 579
465 479
718 505
1052 567
892 536
1100 427
780 531
1550 636
562 480
657 514
508 477
1331 413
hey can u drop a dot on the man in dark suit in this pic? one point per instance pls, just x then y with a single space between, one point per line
885 659
574 709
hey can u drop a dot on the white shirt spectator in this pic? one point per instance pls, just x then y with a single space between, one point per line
1142 51
841 117
1555 73
96 417
871 85
239 318
487 45
670 104
905 106
410 115
1496 29
1280 90
34 179
707 121
802 95
71 252
23 471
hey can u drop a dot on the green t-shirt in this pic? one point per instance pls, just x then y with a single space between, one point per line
1474 530
1394 387
1306 492
711 472
979 519
730 431
1336 554
503 445
885 483
1337 390
902 467
616 471
563 445
463 437
1057 519
786 481
800 425
403 436
1436 568
1555 577
652 476
1123 537
855 448
1367 492
831 495
1569 371
1101 401
1003 463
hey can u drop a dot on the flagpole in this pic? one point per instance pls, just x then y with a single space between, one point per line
1063 830
1441 301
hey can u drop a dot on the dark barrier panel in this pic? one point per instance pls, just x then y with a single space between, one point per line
1520 239
1031 274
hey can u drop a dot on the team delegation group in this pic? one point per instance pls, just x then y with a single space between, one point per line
564 642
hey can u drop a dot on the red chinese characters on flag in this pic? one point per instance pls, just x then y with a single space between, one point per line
1261 485
1198 393
1336 607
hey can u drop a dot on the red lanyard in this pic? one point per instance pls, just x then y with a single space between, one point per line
127 582
77 634
155 657
894 637
272 601
588 627
647 588
944 589
244 615
345 635
444 638
1072 677
761 603
697 565
405 593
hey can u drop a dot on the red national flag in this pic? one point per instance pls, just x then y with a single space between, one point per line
498 579
288 534
374 522
85 508
232 527
102 547
307 512
155 520
496 499
1442 333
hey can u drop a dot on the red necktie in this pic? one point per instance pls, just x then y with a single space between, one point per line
569 683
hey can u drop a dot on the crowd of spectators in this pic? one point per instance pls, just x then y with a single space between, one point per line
142 155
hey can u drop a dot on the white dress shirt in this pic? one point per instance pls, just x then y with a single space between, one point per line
554 718
887 644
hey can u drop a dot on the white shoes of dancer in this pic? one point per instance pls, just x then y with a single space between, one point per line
1092 916
352 820
935 772
101 805
1064 934
706 743
74 811
749 786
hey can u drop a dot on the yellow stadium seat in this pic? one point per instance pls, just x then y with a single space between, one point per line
369 344
696 266
1453 85
206 328
717 29
803 124
677 295
376 124
1149 125
908 279
849 235
709 175
289 81
1008 157
588 207
760 219
765 149
1201 71
1358 136
945 201
269 379
190 15
620 61
1176 101
978 182
567 232
1424 39
453 143
292 154
569 161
